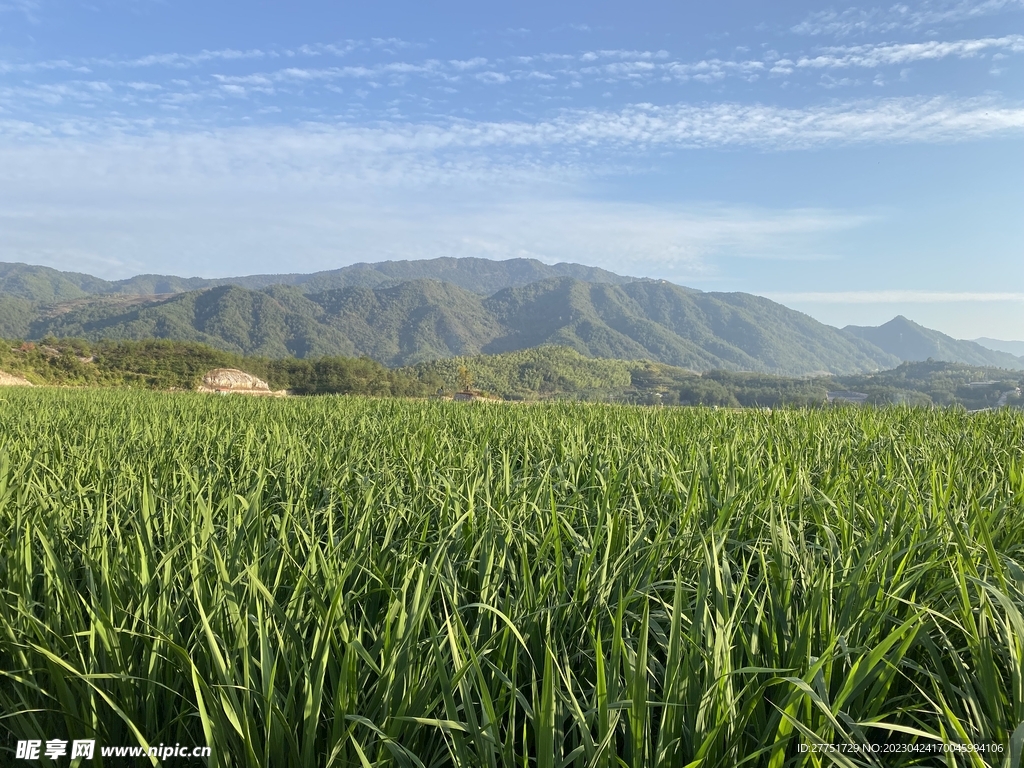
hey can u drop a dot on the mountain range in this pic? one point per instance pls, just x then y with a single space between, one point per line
483 276
1013 347
407 312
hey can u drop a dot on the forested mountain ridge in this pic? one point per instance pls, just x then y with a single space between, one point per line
407 312
421 320
483 276
656 320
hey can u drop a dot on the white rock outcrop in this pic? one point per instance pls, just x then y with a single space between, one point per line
10 380
233 380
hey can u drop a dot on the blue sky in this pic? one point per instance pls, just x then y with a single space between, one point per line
852 161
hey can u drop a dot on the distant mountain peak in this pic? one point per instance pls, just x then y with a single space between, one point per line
911 341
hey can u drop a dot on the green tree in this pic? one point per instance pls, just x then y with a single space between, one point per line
465 379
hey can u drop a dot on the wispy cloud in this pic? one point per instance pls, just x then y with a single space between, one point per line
399 68
28 8
228 228
492 77
730 124
709 70
239 198
42 66
888 54
637 128
179 60
856 20
894 297
465 64
220 71
624 54
182 60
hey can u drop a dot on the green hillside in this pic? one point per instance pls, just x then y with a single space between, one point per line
545 372
16 315
540 373
42 284
667 323
910 341
180 365
423 320
935 382
410 322
272 324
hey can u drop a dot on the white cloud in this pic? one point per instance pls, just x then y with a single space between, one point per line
185 60
144 199
474 63
492 77
42 66
714 69
228 228
262 80
629 237
133 199
639 68
307 74
634 129
890 54
729 124
856 19
895 297
53 94
27 8
623 54
391 43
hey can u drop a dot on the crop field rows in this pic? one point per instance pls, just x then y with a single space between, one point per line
367 582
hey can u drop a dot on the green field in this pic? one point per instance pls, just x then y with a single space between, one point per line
354 582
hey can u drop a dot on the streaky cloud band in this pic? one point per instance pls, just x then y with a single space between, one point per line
894 297
638 127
